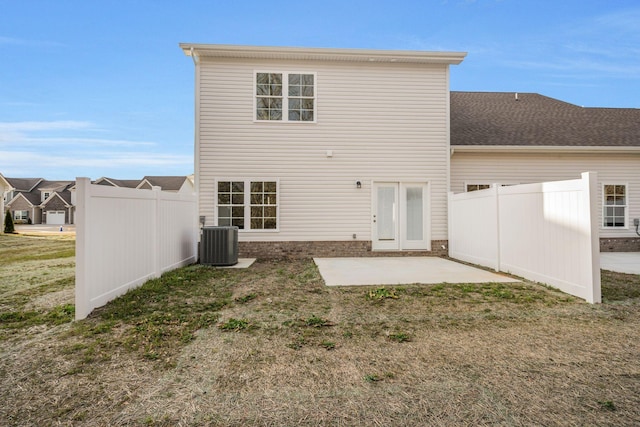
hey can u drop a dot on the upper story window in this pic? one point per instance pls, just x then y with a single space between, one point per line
45 195
285 97
614 205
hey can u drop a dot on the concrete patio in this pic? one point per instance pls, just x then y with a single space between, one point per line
401 270
622 262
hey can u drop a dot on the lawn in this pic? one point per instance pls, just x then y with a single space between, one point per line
272 346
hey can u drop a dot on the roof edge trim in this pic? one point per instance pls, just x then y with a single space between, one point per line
542 149
322 54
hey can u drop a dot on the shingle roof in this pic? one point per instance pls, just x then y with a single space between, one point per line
54 185
499 119
23 184
33 198
167 183
126 183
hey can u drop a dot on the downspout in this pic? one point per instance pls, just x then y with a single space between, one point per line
196 140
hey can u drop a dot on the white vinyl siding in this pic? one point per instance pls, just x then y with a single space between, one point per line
527 168
382 122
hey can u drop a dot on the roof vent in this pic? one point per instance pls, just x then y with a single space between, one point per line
516 96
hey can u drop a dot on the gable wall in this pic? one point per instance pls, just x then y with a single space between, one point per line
526 168
21 204
382 122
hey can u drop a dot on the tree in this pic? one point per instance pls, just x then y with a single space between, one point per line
8 223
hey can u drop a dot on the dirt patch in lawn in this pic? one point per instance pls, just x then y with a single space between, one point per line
272 346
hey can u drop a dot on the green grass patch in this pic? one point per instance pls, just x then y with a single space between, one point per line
400 337
619 286
380 294
157 319
245 298
235 325
11 321
316 321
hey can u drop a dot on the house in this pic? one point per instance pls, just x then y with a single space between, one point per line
323 151
352 152
519 138
174 184
123 183
36 200
5 187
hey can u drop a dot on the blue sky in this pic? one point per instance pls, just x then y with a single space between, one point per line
100 88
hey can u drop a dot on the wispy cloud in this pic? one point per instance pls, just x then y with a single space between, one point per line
75 141
59 133
40 126
70 165
605 46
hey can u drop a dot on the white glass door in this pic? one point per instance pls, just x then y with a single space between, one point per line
413 208
385 216
400 216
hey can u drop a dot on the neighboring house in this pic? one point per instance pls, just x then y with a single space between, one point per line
323 151
352 152
174 184
509 138
5 188
124 183
36 201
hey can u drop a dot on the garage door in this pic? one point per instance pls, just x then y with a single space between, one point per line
55 217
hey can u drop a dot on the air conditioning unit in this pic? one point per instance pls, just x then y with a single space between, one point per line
219 246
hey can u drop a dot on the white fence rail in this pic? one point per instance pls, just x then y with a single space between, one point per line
126 236
546 232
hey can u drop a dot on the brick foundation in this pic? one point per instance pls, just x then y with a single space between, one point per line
356 248
620 244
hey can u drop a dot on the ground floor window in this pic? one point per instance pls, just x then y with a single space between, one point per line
614 205
248 204
20 215
476 187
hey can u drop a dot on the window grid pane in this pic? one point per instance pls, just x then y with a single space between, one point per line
269 96
263 205
231 203
476 187
301 97
615 206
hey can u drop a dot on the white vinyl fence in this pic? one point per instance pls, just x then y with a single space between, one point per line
126 236
545 232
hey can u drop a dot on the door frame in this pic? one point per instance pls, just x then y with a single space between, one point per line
401 243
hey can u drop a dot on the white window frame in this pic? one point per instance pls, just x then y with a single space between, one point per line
490 185
247 203
285 96
21 218
625 206
45 195
467 184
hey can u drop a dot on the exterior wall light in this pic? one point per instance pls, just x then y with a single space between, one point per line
358 184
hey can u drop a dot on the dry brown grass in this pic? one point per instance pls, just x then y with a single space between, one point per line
494 354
